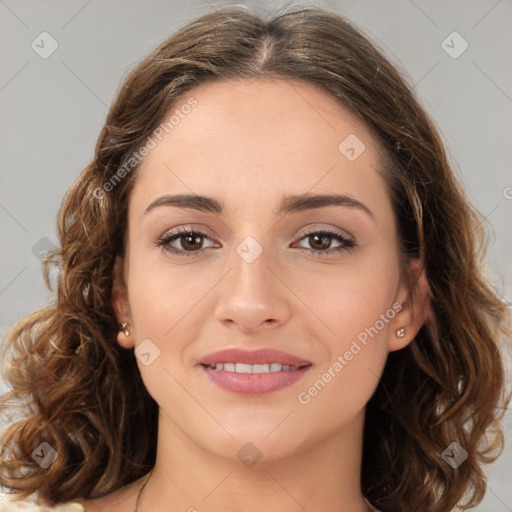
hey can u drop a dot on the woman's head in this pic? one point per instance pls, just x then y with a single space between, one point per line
250 113
252 279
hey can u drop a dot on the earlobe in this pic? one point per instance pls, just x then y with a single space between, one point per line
123 336
120 304
415 297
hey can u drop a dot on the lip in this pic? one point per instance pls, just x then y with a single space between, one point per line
254 384
260 356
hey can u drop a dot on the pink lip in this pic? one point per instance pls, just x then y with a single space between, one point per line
260 356
254 384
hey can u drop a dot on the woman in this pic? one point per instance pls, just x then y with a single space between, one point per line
270 296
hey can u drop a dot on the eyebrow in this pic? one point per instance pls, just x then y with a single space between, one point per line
289 204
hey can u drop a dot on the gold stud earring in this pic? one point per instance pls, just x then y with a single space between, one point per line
400 332
124 327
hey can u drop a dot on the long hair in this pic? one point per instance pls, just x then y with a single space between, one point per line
83 394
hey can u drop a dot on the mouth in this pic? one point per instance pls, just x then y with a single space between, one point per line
254 368
253 373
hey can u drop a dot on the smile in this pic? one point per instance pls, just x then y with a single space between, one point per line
253 372
253 368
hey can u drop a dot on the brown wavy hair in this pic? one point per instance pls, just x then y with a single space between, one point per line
81 392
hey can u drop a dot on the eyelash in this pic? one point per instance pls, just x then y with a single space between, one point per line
167 238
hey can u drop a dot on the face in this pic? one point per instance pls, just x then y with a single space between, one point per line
263 266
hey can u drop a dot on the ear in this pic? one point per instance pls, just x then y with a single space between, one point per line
121 305
415 297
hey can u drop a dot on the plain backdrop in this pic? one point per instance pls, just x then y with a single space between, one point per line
54 97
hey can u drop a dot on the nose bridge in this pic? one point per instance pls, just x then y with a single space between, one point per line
251 294
251 276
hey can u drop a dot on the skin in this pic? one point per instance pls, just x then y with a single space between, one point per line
248 144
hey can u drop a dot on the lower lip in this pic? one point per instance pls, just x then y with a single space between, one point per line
254 384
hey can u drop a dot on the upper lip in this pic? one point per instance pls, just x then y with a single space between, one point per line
260 356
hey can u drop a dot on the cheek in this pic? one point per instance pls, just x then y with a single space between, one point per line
170 307
162 293
355 306
351 297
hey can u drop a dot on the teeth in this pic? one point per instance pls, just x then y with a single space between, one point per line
243 368
253 368
260 368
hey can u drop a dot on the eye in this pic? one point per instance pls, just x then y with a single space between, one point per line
321 241
189 240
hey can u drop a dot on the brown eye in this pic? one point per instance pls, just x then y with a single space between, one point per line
190 242
321 241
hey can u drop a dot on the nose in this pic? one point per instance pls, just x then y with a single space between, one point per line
253 296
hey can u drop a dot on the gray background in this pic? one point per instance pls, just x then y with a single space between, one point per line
53 109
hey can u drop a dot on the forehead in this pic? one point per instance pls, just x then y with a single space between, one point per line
253 140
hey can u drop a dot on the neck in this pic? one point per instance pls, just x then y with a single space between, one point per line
324 477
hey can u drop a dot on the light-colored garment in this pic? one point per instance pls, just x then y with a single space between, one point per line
9 504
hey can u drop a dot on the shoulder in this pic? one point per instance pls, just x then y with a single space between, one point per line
8 504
